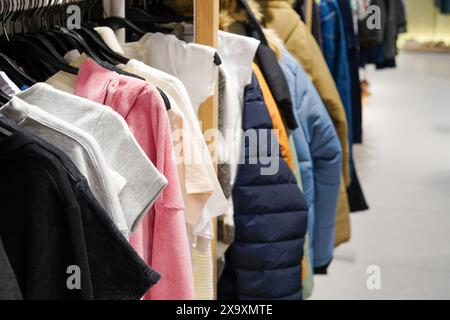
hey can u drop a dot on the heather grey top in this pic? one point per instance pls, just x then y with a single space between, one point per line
138 182
80 146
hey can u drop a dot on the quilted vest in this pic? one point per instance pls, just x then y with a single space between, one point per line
270 214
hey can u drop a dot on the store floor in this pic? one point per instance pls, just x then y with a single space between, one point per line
404 167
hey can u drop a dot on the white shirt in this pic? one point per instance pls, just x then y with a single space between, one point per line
191 63
237 54
216 204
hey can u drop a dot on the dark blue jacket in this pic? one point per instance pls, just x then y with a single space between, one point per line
335 52
270 214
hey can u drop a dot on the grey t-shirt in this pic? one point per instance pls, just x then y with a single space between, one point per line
141 182
80 146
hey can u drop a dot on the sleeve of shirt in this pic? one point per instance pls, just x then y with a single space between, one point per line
196 184
202 77
170 248
117 271
326 154
142 182
240 53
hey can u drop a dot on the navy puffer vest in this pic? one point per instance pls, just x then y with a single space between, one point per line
270 214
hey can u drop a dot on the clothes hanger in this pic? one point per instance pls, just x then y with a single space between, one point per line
94 39
137 14
147 21
45 44
38 39
21 48
69 39
116 23
98 51
84 41
59 44
14 72
158 8
94 49
165 99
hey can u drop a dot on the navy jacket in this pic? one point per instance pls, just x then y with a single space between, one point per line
270 214
336 55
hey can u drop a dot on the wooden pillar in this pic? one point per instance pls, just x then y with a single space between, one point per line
309 14
206 20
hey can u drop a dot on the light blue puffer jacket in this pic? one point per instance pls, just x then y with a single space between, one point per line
320 160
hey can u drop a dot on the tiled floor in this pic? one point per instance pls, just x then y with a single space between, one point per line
404 167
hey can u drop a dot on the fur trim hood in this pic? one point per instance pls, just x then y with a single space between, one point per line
231 12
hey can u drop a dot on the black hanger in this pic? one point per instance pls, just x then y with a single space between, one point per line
116 23
45 44
165 99
149 16
139 15
94 47
92 37
158 8
14 72
147 21
80 43
67 39
59 44
23 48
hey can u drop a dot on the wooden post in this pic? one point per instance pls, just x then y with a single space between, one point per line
309 14
206 19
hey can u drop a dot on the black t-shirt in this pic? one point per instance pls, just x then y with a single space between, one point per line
117 272
40 224
9 287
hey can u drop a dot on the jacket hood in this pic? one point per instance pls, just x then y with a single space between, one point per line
231 12
275 42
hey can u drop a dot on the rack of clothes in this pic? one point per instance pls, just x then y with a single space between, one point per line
105 191
205 155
